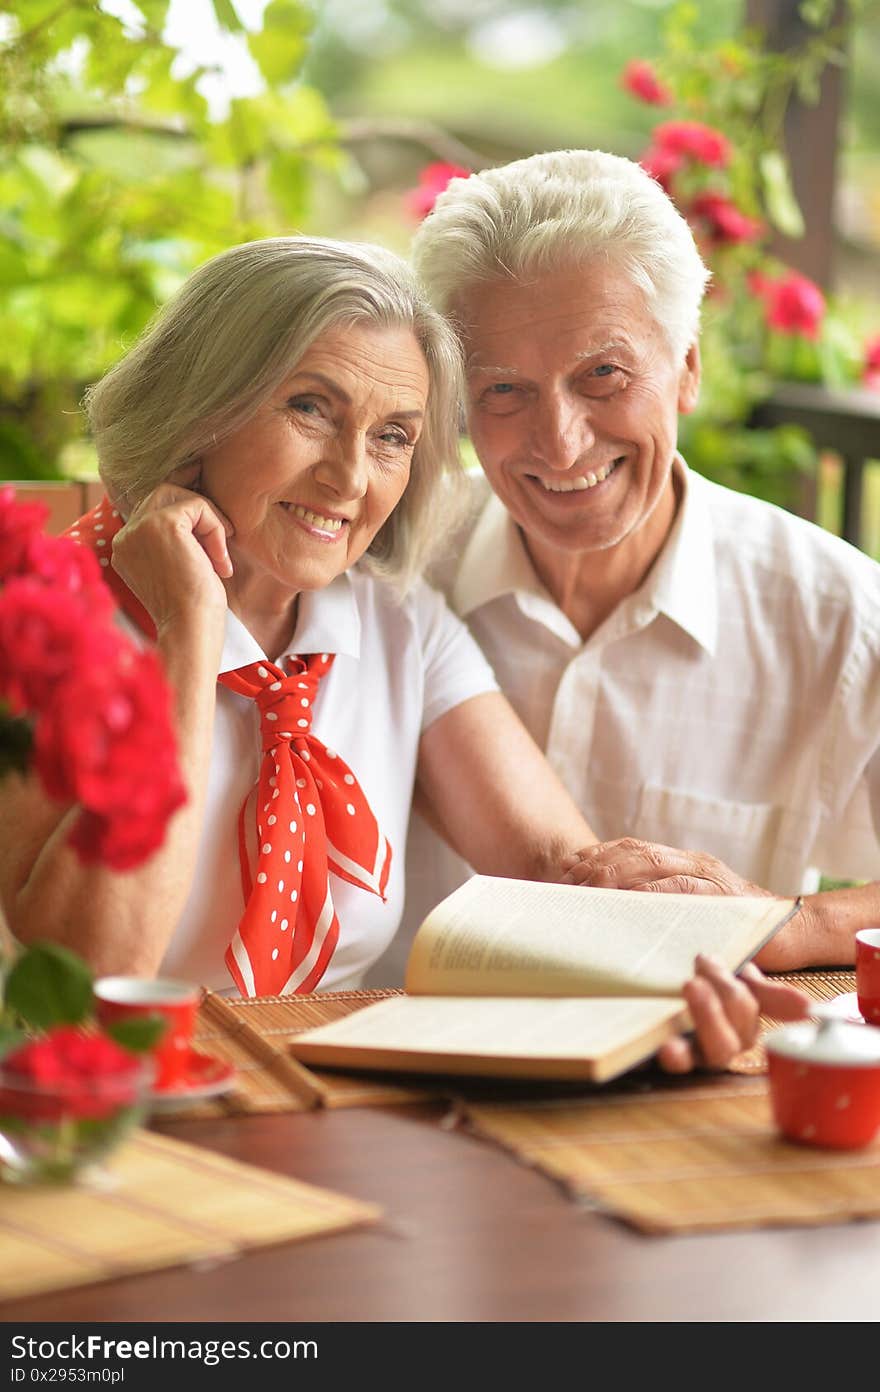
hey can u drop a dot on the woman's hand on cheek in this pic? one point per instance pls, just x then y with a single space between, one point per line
173 553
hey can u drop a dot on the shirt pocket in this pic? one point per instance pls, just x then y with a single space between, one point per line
764 842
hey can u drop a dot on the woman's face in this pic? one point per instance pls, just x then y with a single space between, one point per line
311 478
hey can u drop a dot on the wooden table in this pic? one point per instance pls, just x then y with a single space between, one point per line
472 1235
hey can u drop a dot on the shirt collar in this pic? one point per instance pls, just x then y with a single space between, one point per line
681 585
328 620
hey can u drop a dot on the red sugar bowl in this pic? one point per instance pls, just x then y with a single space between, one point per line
825 1082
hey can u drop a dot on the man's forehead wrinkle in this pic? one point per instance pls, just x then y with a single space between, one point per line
478 361
475 363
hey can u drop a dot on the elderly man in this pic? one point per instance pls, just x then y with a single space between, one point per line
702 669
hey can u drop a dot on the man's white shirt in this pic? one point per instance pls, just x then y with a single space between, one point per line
730 705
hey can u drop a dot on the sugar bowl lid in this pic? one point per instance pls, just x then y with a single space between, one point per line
835 1043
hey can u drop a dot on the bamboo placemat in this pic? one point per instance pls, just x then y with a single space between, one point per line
821 985
254 1036
164 1203
685 1157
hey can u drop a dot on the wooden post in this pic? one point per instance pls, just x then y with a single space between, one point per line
811 139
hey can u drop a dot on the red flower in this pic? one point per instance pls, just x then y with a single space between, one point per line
758 283
693 141
67 1073
723 222
62 564
107 743
640 79
432 181
19 522
661 165
103 734
45 635
795 305
871 372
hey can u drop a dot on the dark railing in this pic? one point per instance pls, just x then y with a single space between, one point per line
846 423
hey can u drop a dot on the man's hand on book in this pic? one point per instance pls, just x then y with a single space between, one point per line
643 865
633 864
726 1011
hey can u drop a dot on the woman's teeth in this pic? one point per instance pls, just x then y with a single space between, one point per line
577 485
314 519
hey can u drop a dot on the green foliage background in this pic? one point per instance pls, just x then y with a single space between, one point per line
115 181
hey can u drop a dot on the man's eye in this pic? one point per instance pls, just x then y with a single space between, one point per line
604 370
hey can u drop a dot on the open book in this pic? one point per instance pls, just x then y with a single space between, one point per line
533 980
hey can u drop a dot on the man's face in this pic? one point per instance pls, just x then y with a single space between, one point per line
573 400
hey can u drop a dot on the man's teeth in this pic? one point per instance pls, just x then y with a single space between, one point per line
314 519
577 485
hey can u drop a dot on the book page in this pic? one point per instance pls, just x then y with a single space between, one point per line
521 938
595 1038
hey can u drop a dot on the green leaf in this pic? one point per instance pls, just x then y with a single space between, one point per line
816 13
280 48
139 1033
49 985
782 206
155 12
227 17
288 184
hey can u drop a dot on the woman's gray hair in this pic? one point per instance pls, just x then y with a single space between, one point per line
561 209
226 341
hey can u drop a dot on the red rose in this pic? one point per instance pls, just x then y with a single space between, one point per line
795 305
67 1073
723 221
639 78
433 179
693 141
19 522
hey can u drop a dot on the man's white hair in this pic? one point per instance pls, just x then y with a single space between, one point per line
561 209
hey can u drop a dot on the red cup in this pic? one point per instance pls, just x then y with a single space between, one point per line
825 1082
868 974
176 1002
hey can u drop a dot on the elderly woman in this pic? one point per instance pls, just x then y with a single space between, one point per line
278 451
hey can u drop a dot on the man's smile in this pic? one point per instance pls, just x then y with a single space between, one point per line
578 483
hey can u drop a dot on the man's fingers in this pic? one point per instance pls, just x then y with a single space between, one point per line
778 999
677 1056
720 1036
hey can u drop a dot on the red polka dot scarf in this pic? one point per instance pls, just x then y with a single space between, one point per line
311 816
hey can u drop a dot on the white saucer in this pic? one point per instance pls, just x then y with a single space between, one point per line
206 1076
845 1007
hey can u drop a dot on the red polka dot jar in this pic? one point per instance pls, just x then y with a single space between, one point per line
868 974
825 1082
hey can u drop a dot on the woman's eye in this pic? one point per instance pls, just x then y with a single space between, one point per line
397 438
306 405
501 388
